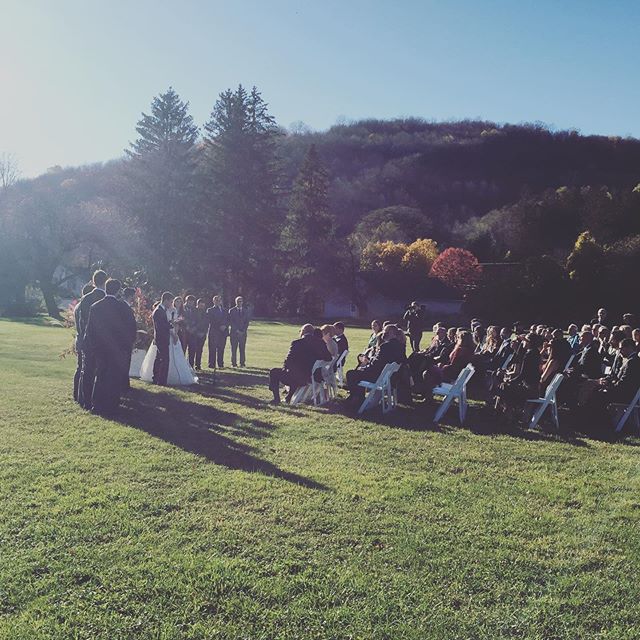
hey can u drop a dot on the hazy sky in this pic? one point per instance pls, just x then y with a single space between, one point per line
76 74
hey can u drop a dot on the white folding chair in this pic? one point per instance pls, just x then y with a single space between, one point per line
569 363
549 400
381 391
507 362
632 407
340 366
330 379
456 391
300 395
319 390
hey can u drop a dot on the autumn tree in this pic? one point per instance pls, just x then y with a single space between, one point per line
457 268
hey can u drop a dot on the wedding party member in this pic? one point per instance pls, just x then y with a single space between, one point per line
165 362
161 339
296 370
110 336
239 324
88 288
88 373
178 322
127 300
217 332
198 334
188 315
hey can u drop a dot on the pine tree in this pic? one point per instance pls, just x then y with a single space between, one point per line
161 180
307 239
241 192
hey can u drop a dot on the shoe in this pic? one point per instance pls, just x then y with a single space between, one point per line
274 402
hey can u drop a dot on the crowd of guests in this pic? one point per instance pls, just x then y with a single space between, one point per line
600 363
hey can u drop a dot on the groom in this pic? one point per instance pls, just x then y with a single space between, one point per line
162 337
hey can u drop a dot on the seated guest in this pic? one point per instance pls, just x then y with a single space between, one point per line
460 357
376 328
630 319
622 387
390 351
504 350
559 354
439 343
523 383
635 336
574 337
627 330
478 336
588 362
296 370
614 357
340 338
327 334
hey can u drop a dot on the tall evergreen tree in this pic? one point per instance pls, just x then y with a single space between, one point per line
160 195
308 239
241 186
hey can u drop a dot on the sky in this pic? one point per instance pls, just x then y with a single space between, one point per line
75 75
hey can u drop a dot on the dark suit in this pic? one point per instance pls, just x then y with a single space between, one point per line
390 351
162 337
197 327
239 323
88 374
343 344
110 336
296 370
589 362
218 330
625 386
131 320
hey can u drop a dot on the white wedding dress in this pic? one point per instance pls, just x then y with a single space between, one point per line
180 372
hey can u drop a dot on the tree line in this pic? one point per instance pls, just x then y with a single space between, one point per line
287 218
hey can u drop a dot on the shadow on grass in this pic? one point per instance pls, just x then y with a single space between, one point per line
204 431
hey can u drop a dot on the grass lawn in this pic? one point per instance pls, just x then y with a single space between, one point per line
207 514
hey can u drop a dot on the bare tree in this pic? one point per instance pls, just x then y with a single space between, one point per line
9 170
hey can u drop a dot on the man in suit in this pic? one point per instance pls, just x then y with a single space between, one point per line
589 360
238 324
161 338
88 288
189 315
296 370
218 329
414 322
391 350
128 300
88 374
199 334
110 336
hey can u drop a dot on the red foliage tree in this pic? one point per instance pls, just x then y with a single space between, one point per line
457 268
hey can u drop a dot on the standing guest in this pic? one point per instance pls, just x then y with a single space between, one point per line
127 301
296 369
161 338
218 332
601 317
179 322
239 325
88 288
328 332
198 334
88 374
110 336
414 322
340 338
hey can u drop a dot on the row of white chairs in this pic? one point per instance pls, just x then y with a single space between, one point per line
383 392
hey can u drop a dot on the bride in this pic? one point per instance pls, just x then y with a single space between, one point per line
180 372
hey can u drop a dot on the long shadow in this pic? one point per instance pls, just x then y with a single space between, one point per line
201 430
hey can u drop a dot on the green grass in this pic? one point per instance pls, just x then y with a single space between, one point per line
207 514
